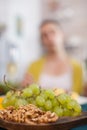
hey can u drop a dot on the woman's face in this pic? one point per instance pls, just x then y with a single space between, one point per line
51 35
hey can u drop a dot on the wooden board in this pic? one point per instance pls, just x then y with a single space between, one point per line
64 123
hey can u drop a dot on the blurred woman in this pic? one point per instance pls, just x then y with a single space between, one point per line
55 69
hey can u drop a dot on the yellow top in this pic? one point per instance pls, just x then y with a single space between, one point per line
36 68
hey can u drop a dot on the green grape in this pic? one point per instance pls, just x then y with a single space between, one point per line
62 105
17 93
42 108
27 92
20 102
35 88
43 95
75 113
30 100
67 112
48 105
50 94
40 101
78 108
64 98
72 104
58 111
9 94
55 102
34 102
5 103
12 100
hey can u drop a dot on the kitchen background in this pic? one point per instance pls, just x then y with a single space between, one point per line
19 32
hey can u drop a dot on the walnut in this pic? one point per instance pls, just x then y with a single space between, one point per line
29 114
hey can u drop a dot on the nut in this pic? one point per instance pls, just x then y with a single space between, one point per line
29 114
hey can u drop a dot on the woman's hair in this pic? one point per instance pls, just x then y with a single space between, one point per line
45 22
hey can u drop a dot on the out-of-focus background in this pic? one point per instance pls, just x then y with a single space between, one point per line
19 32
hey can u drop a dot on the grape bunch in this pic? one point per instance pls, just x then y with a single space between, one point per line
62 105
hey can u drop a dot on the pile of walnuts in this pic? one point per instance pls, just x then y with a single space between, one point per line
29 114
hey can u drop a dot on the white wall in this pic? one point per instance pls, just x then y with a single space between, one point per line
2 11
28 44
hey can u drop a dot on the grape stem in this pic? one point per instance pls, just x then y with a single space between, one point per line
8 84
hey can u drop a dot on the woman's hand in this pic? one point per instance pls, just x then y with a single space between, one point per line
28 79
